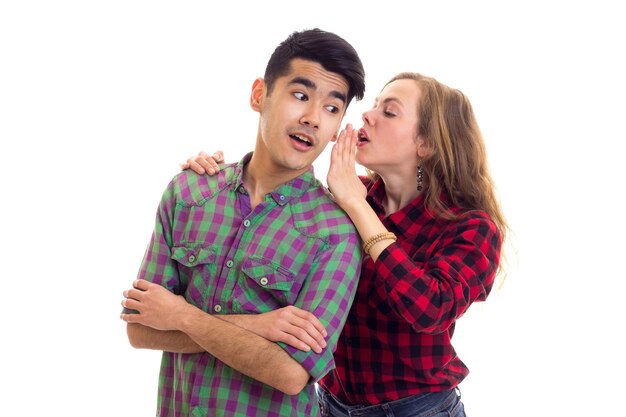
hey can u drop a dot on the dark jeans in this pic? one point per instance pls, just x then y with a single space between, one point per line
436 404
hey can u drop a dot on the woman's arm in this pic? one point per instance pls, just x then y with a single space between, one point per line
349 192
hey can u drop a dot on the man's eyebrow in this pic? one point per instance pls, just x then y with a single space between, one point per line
310 84
305 82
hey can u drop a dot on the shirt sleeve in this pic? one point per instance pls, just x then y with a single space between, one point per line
328 293
433 293
157 265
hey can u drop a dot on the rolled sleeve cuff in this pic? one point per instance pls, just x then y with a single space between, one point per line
316 364
390 261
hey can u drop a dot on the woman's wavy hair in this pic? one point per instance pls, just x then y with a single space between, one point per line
457 168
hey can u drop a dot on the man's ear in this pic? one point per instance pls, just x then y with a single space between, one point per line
257 94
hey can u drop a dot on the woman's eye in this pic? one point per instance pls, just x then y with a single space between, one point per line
300 96
388 113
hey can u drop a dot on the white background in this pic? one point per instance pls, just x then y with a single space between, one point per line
99 102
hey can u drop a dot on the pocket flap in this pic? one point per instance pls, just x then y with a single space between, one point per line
193 255
267 274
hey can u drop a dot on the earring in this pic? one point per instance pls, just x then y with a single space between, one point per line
420 177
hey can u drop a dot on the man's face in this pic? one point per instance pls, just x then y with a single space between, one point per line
301 114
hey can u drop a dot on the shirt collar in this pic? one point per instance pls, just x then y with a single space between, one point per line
376 195
284 192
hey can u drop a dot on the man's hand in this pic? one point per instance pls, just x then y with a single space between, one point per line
158 308
291 325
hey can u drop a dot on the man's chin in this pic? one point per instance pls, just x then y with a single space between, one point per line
298 164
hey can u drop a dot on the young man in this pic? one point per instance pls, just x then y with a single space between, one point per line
261 235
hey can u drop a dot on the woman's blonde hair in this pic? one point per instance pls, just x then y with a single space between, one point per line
457 167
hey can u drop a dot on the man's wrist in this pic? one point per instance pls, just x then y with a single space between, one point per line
187 317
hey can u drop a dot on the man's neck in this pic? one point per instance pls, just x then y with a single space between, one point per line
259 180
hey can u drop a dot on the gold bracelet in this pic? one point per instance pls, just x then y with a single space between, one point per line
377 238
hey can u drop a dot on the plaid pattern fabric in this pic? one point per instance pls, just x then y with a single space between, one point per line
396 342
295 248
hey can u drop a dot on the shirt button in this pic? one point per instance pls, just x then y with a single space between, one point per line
263 281
282 198
230 263
191 258
217 308
246 222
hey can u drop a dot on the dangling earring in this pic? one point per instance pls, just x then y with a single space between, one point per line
420 177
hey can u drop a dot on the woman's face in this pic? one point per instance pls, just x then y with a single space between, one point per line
388 138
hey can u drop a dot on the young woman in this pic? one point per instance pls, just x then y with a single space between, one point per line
432 229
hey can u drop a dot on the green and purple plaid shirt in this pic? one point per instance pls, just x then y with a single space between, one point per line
295 248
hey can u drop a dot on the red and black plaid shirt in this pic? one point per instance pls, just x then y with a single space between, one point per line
396 341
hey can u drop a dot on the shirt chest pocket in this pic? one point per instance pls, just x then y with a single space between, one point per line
265 286
196 268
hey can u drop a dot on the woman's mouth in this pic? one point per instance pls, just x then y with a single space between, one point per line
362 138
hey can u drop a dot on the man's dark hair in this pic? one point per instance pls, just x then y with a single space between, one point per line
332 52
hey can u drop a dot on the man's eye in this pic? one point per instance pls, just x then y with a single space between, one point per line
332 109
300 96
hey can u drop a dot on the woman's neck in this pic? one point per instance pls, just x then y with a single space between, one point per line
399 192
